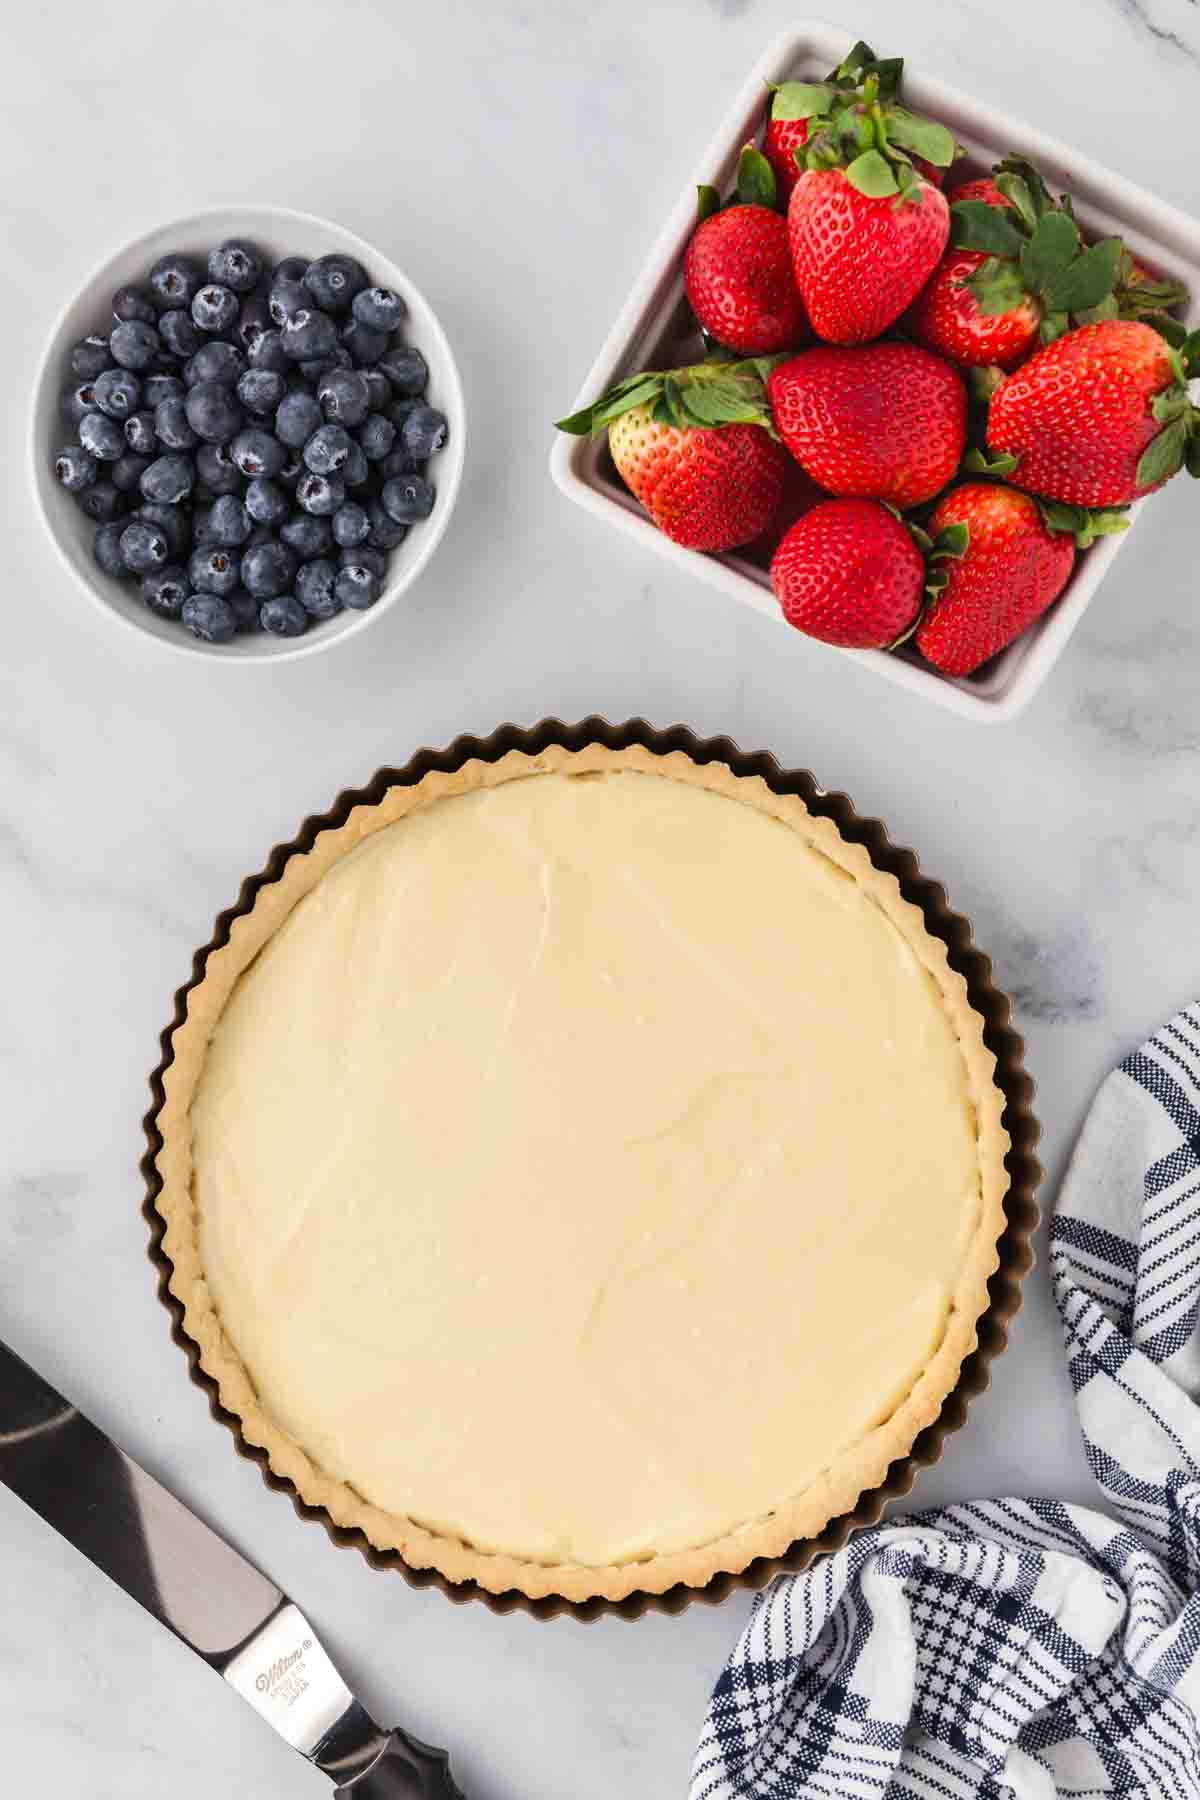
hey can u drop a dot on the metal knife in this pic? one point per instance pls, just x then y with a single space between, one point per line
190 1579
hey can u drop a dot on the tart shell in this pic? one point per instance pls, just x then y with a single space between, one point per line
884 1467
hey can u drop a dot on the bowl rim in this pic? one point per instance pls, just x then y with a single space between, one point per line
46 383
1014 1248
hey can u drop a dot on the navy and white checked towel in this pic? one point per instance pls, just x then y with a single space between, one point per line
1023 1647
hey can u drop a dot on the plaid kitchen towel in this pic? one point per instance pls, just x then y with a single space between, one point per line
1023 1647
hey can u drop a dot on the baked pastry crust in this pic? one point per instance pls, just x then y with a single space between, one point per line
838 1487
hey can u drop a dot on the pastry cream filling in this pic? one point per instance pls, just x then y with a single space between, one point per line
583 1166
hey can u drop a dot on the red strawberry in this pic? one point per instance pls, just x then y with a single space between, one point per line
1017 270
1013 568
849 573
738 274
883 421
694 446
1097 418
783 138
860 259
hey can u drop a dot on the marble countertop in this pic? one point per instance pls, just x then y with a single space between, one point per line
518 159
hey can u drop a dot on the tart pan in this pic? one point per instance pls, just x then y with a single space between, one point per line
1015 1247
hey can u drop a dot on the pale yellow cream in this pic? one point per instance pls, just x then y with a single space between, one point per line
583 1166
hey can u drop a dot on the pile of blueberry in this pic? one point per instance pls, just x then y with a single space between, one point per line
251 441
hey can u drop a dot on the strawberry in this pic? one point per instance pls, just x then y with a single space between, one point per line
738 275
782 139
851 573
1015 565
1017 271
695 447
881 421
1099 417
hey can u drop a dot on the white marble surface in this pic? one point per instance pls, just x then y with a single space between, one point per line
518 158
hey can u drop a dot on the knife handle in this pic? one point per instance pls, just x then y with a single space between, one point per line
404 1769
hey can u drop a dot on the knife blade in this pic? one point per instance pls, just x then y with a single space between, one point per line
200 1588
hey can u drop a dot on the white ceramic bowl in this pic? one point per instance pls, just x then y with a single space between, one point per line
279 232
654 325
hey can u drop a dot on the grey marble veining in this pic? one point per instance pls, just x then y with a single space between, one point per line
519 160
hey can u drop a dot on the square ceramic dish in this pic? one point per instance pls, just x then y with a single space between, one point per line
654 329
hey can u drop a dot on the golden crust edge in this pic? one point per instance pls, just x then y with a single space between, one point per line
836 1491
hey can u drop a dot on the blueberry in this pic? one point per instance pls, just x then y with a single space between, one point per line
169 480
266 502
253 320
179 334
78 401
283 617
379 390
268 569
399 410
245 609
406 369
365 346
143 547
102 501
229 521
175 522
165 591
291 268
350 525
173 281
132 302
171 424
377 437
258 452
217 469
236 265
320 493
363 556
201 525
215 308
378 308
357 587
106 548
75 467
408 499
140 434
213 413
423 432
307 535
267 352
134 345
309 333
157 388
334 280
288 296
297 417
315 589
343 395
101 437
398 462
90 357
385 533
357 470
118 393
215 361
262 534
213 569
128 470
261 390
312 369
209 617
327 450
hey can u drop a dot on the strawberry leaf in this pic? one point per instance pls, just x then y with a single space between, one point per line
1083 523
755 178
983 383
983 462
1054 244
801 100
1087 280
1189 352
1163 455
872 175
997 287
1172 403
1108 308
1191 455
974 225
924 137
1039 194
952 541
1017 192
855 62
708 201
635 390
1053 326
1170 330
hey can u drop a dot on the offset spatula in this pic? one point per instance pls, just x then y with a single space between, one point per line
146 1541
